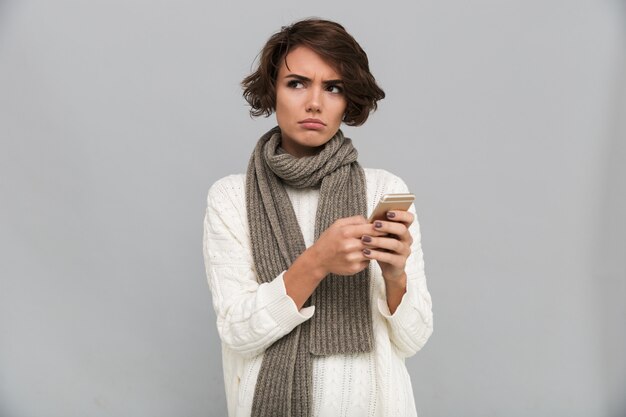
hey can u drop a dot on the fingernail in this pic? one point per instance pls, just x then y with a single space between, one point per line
378 224
391 214
366 239
367 251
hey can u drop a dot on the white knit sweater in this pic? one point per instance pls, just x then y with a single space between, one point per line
252 316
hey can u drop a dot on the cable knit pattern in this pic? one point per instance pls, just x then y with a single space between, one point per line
252 316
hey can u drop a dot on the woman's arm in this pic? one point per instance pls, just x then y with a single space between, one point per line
411 324
250 316
407 306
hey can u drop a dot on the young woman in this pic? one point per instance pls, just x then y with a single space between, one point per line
316 308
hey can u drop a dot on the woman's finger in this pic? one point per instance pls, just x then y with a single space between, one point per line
388 244
404 217
393 228
397 261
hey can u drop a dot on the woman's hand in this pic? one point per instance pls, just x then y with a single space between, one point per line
392 250
339 250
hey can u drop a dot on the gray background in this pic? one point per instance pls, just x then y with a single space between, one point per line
506 118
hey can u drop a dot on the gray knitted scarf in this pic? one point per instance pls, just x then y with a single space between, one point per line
342 322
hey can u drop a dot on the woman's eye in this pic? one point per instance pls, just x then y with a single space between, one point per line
295 84
335 89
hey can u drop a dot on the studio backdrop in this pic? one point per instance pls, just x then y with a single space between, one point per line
506 119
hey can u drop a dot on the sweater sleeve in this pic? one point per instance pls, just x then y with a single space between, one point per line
250 316
412 323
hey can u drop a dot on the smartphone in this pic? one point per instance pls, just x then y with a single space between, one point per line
391 202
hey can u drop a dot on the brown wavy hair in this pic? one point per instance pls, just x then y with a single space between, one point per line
337 47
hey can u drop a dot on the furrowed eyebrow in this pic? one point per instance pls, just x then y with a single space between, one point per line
307 79
298 77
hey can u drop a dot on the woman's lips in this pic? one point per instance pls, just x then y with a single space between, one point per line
313 124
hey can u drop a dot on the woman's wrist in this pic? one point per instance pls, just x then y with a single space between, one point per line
395 289
303 276
398 281
311 261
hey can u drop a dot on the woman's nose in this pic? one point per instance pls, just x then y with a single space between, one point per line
314 101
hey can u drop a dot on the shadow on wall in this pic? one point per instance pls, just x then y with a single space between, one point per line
610 264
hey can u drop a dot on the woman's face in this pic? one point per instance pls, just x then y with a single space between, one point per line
309 102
